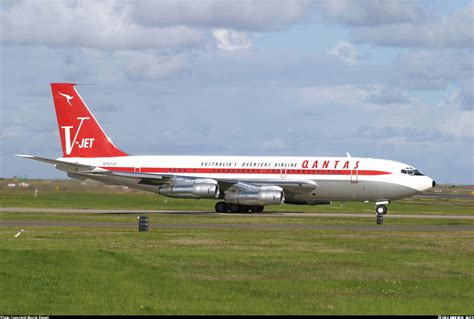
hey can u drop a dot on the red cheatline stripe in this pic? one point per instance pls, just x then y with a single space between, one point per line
178 170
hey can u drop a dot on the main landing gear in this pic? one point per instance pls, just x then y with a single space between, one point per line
223 207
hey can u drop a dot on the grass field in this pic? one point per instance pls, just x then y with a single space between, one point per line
173 270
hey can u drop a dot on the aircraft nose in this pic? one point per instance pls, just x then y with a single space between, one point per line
425 183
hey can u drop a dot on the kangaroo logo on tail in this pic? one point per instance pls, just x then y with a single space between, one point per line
68 97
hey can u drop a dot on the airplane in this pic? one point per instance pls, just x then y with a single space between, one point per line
238 183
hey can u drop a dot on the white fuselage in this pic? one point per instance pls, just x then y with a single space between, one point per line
335 178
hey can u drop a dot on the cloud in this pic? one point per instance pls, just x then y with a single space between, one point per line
347 95
153 66
345 52
466 96
435 70
327 102
106 107
248 15
370 12
400 23
453 31
125 25
230 40
90 24
273 144
410 133
462 98
406 133
388 96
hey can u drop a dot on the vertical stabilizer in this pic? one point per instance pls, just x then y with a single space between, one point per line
81 135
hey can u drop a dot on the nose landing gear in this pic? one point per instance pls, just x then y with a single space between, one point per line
380 211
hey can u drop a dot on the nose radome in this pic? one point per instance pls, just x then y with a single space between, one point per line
425 183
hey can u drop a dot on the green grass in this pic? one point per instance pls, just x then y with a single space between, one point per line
149 201
54 270
82 270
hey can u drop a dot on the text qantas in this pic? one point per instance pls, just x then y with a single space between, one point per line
335 164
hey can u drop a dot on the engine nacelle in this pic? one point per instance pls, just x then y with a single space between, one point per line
197 190
263 197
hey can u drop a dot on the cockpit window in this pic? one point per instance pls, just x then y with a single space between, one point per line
411 172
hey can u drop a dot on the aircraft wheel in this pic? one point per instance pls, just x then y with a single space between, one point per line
234 208
244 208
221 207
256 209
381 209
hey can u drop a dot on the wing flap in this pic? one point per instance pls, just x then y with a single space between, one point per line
145 179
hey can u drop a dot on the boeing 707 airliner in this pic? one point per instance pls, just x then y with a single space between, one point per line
238 183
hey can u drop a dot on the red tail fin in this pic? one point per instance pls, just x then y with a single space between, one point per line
81 135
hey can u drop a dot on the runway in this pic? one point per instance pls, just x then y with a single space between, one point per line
155 220
210 213
15 223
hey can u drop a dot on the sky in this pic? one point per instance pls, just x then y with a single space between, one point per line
380 79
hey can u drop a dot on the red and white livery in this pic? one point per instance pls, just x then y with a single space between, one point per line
240 183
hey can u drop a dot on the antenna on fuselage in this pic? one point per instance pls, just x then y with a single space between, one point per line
348 155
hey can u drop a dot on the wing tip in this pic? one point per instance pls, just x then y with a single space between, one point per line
24 155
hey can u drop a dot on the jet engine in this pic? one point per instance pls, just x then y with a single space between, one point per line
261 197
197 189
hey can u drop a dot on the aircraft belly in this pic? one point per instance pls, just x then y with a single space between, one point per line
360 191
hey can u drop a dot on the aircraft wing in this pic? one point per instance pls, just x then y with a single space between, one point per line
289 186
143 178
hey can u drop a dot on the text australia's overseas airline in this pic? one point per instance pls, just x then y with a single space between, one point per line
238 183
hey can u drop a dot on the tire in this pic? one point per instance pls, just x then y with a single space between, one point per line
381 209
244 208
234 208
221 207
256 209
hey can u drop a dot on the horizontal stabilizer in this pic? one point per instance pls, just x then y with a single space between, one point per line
67 166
